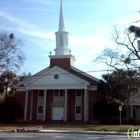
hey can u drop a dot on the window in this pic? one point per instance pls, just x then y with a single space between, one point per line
41 93
61 92
78 93
40 109
56 92
78 109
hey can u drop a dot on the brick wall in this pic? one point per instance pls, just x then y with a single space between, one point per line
49 107
63 63
35 97
71 105
20 95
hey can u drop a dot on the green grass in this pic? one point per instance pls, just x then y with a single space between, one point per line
73 127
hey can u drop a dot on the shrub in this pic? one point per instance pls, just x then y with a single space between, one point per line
116 121
104 109
9 111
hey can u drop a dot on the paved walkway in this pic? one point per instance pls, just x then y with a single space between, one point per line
40 130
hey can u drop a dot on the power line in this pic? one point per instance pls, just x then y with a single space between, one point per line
74 55
90 20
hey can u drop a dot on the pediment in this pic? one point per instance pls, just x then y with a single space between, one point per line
55 76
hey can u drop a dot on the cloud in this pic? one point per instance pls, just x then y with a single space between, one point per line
91 43
15 20
46 2
32 9
24 27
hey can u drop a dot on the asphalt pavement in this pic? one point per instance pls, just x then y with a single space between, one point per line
59 136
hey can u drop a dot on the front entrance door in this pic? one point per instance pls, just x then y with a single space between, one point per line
57 113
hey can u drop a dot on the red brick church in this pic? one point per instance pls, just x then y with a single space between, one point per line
60 91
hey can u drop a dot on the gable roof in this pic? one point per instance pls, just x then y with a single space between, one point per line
46 76
32 77
85 75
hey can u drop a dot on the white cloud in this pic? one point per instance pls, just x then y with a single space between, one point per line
24 27
34 9
47 2
92 45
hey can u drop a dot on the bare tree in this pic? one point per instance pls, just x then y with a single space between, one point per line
11 56
124 54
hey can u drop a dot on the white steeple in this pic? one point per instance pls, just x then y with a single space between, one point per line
61 19
61 36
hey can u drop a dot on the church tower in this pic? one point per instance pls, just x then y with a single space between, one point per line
61 36
63 57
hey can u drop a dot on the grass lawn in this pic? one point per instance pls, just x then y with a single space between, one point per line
73 127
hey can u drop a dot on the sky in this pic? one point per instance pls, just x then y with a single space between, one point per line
89 23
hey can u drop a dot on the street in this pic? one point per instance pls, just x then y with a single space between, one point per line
58 136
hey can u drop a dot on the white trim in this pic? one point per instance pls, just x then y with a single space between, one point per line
85 74
62 71
93 88
31 77
21 89
58 86
62 56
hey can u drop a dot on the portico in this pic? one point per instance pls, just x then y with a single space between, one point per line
59 105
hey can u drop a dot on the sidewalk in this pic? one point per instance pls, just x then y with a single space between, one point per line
85 132
39 129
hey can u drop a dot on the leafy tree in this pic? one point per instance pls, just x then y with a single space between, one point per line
8 80
24 76
11 57
121 86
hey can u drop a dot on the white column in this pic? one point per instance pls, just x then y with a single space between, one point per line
31 106
65 108
44 106
25 108
131 111
85 106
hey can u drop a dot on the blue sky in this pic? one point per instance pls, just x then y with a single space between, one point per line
89 24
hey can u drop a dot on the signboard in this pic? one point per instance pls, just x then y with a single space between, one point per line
120 108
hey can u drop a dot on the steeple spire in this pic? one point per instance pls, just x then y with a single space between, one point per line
62 43
61 19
